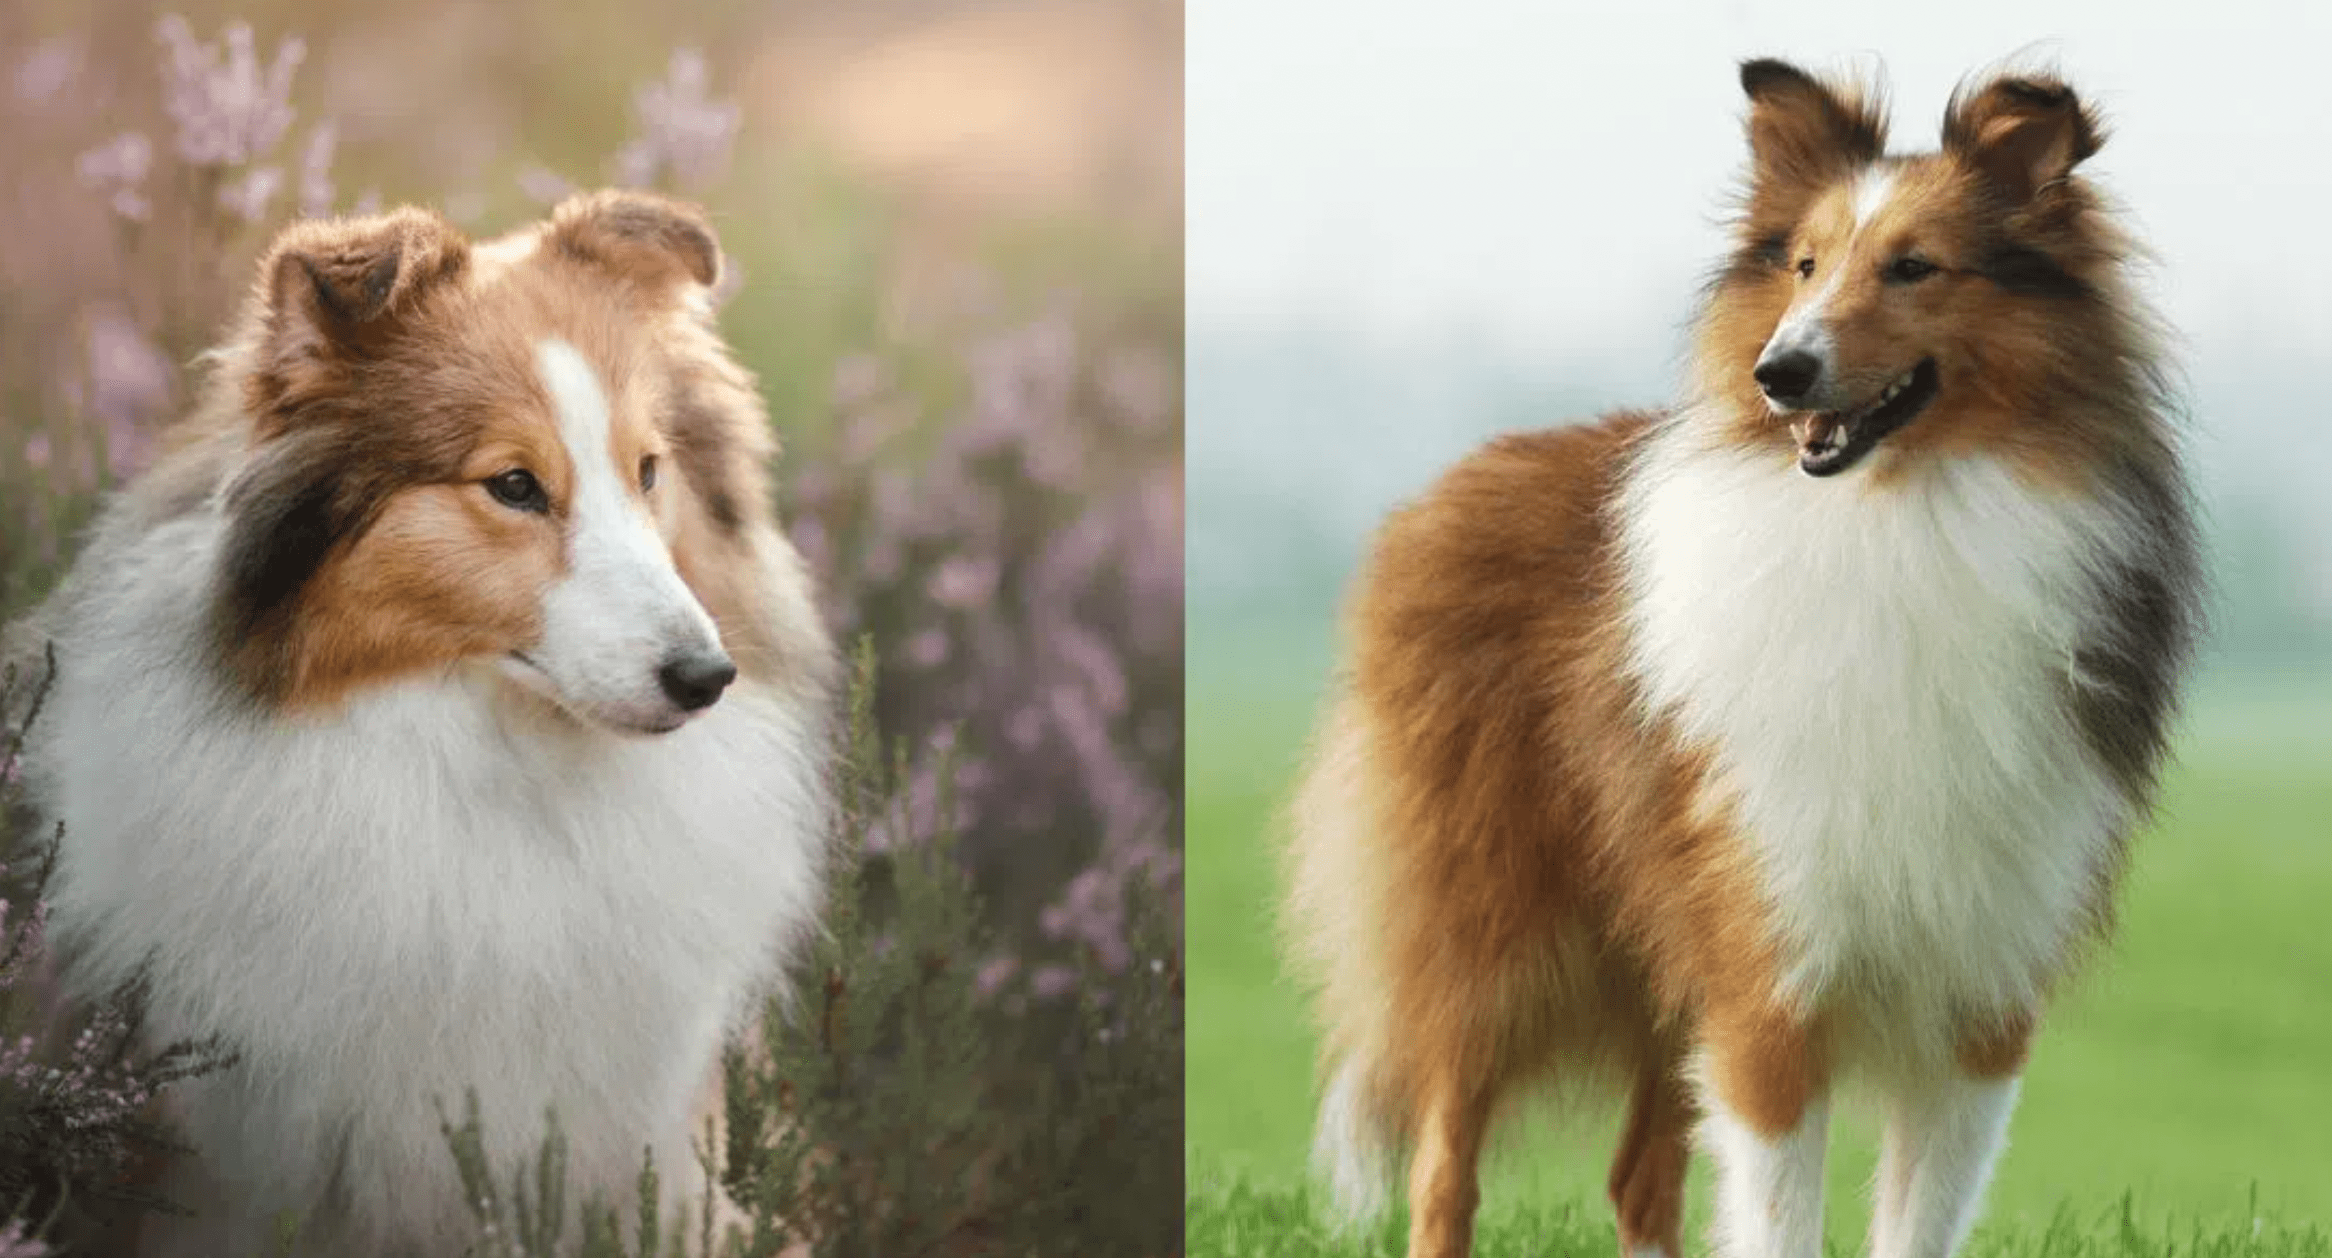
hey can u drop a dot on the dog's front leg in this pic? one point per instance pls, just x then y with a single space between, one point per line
1766 1121
1944 1134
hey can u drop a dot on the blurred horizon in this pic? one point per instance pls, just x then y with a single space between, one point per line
1497 215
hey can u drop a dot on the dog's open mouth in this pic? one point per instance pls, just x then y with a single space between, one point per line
1829 442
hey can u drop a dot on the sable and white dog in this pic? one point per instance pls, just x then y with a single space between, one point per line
444 710
1791 736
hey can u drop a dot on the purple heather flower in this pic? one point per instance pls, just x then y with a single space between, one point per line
810 537
1153 559
1050 541
246 198
1025 728
917 804
883 561
316 191
1050 982
678 128
45 72
1094 662
858 380
899 501
118 168
928 649
964 582
129 386
1021 385
230 109
990 979
1138 387
1091 911
544 185
870 427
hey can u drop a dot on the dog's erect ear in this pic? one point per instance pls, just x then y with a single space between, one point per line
334 291
1804 131
652 240
2022 134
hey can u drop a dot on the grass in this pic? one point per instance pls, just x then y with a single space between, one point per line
1239 1219
2188 1072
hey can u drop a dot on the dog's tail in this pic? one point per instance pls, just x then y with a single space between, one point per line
1333 923
1353 1148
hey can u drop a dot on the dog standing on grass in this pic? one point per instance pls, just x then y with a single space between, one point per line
444 710
1791 736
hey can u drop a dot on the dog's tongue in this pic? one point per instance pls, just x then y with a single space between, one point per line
1819 433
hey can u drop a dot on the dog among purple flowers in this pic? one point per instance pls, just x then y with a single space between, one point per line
443 710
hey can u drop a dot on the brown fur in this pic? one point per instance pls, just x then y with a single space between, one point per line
1996 212
1599 915
1502 870
382 370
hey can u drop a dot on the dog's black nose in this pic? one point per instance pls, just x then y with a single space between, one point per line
695 680
1786 377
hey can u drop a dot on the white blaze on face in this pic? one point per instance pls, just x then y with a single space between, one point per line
1806 329
621 613
1871 192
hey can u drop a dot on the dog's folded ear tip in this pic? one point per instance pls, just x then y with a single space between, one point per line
645 235
347 271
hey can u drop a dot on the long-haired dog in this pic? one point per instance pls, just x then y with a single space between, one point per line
1792 735
444 710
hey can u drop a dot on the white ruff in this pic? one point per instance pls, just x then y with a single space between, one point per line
1880 673
438 888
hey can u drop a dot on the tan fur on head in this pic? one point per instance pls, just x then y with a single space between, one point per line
2000 213
384 369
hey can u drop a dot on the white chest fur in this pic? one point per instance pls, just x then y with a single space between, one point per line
1880 673
429 891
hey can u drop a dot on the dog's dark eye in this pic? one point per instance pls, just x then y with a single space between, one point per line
647 472
518 489
1806 267
1910 270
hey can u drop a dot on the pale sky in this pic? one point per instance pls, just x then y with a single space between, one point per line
1546 176
1537 185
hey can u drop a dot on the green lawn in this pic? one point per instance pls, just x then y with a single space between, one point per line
2192 1068
1239 1219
